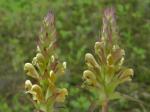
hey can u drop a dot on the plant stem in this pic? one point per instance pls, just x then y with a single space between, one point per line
92 107
105 106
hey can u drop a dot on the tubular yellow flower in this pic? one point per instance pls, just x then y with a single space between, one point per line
98 47
90 61
40 57
31 71
127 73
87 74
89 78
36 91
61 94
52 76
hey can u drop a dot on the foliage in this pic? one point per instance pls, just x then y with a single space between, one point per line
6 105
77 24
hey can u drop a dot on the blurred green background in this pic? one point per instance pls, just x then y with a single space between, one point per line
78 25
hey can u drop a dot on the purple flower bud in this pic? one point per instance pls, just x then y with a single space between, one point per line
109 26
49 19
109 13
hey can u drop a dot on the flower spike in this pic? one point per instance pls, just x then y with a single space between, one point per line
106 70
46 69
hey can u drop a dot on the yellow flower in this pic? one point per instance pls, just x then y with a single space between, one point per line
40 57
31 71
115 57
61 93
87 74
126 73
99 46
89 78
90 61
36 92
38 60
52 76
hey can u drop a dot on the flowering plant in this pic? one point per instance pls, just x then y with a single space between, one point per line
45 69
105 71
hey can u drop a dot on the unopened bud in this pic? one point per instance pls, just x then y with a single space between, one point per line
115 47
65 65
40 57
52 58
49 19
52 76
98 46
34 61
109 14
51 73
38 49
28 85
121 61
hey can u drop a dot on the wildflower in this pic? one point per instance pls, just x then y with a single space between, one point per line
31 71
46 69
106 70
61 93
90 61
36 91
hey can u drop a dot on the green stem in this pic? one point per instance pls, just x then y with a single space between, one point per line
105 106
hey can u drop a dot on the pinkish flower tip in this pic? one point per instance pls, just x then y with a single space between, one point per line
109 13
49 19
